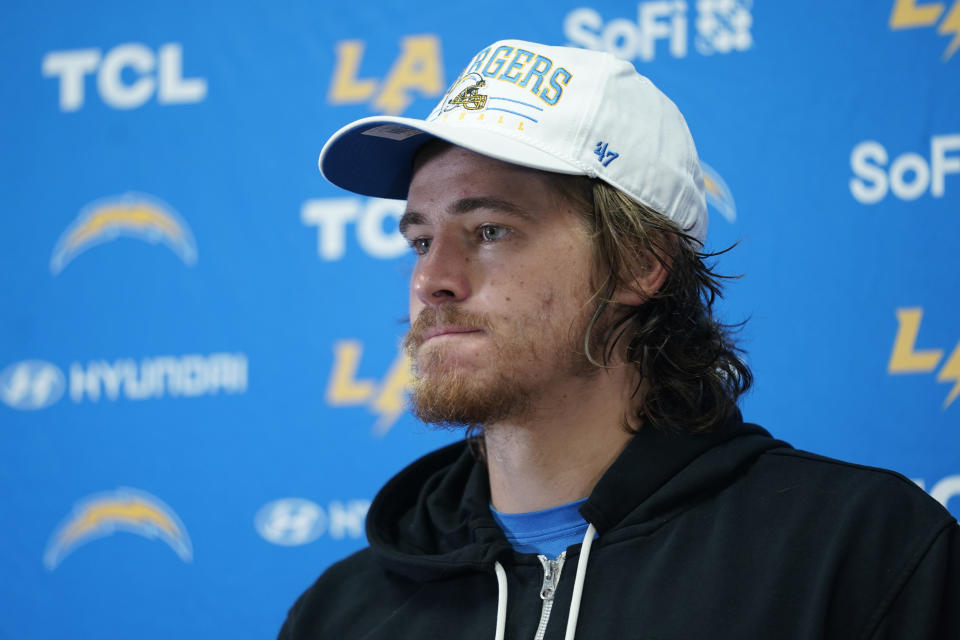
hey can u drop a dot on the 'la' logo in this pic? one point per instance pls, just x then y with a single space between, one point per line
418 68
906 358
385 398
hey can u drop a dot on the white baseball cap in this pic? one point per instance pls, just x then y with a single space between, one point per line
560 109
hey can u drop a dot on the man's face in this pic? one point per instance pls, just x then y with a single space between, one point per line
499 298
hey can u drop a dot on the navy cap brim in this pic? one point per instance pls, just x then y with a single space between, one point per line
374 156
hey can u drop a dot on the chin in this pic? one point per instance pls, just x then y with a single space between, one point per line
444 359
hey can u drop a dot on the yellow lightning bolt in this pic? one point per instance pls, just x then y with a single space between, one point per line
951 25
134 510
951 373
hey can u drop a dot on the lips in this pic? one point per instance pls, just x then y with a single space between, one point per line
444 320
434 332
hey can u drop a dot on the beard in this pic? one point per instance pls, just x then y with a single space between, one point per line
449 394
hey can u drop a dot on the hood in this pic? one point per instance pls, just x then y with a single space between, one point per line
432 520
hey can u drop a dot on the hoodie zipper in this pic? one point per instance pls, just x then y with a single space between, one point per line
551 577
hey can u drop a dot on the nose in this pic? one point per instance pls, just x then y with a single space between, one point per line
442 274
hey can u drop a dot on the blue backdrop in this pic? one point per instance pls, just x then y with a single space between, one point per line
200 385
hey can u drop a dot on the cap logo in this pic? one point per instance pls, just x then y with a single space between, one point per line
467 93
604 156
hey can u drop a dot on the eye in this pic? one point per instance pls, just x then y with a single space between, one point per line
492 232
420 245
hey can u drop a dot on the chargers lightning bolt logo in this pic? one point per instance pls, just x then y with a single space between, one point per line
125 509
718 193
133 215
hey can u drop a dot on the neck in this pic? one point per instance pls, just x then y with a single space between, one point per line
559 450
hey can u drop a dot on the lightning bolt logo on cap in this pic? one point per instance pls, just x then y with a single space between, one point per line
124 509
132 214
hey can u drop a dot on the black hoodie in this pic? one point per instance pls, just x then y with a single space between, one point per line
731 534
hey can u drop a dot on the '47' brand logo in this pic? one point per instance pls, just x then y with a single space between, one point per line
604 157
906 358
911 14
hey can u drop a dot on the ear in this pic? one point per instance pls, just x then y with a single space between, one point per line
647 278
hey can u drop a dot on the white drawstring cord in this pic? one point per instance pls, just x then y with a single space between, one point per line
501 601
578 583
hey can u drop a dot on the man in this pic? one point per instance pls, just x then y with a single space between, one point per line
608 487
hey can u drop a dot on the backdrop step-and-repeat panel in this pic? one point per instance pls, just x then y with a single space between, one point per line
200 381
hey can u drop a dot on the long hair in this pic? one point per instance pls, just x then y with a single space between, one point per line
690 370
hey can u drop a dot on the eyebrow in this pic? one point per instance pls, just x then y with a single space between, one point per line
466 205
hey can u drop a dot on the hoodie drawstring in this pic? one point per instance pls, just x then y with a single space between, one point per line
574 599
578 583
501 600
